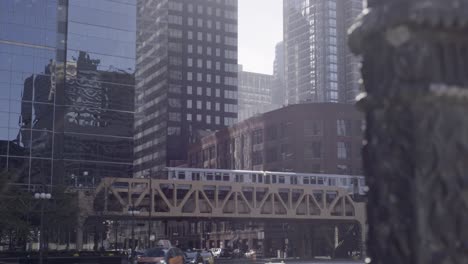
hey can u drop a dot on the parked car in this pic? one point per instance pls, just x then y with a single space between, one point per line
216 252
250 253
207 256
161 255
193 257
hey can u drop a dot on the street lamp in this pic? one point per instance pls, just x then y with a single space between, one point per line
42 197
133 211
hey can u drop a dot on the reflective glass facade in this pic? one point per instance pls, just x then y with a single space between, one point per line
186 78
318 64
67 90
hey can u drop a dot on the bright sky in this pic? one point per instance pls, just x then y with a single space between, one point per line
260 29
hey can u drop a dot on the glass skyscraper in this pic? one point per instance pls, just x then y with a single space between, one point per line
186 78
67 90
318 64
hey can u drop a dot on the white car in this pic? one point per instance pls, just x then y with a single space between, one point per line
250 253
216 252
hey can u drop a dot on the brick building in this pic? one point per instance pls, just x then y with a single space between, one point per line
312 137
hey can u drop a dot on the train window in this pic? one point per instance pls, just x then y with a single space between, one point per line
267 179
254 177
260 178
273 178
320 180
239 178
281 179
172 174
293 179
344 181
226 177
181 175
313 180
306 180
217 176
196 176
332 182
209 176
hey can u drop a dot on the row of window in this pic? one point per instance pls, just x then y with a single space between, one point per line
230 41
207 63
199 105
176 75
228 54
227 121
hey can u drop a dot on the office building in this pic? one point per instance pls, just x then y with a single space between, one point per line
255 94
314 138
318 64
66 90
279 86
186 78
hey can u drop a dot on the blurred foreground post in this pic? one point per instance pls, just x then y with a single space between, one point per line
415 71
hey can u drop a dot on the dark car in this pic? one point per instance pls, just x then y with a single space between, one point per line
162 256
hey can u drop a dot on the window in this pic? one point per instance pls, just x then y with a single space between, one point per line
200 50
189 76
173 131
313 127
199 36
176 117
208 37
281 179
257 136
343 150
218 92
208 91
217 79
230 108
343 127
199 90
200 9
199 104
190 21
208 105
199 117
208 50
175 33
199 63
189 89
217 120
190 48
208 78
218 39
175 103
189 117
208 64
217 107
209 176
209 10
218 53
313 150
189 103
190 7
209 23
199 77
208 119
190 62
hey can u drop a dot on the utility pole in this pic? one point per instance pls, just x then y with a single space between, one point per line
415 72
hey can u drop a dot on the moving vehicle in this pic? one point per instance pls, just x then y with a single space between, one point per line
354 184
199 256
160 255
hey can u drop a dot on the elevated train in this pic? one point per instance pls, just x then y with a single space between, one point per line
354 184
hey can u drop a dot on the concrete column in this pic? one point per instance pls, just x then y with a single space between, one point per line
79 235
415 68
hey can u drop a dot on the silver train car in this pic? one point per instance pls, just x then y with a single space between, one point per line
354 184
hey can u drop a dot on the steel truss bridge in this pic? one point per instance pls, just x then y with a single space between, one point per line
196 199
165 199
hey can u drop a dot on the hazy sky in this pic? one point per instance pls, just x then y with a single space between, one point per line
260 28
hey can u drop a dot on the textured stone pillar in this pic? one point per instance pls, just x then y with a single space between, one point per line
415 71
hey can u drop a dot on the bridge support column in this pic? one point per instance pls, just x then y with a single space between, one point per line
415 68
79 235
